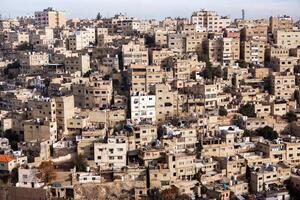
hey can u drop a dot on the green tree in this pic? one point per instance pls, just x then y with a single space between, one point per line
13 139
25 47
99 16
80 163
242 64
222 111
267 132
291 117
247 110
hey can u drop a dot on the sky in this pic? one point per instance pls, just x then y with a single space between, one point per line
153 9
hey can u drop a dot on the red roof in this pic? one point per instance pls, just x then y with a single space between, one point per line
6 158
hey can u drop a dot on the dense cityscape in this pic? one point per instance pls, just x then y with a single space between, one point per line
198 108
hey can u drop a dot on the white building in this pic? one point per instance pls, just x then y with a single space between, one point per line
143 108
111 154
209 21
82 39
28 179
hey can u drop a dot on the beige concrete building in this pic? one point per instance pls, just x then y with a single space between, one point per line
142 136
253 51
94 93
283 86
275 51
176 42
44 108
39 129
64 110
287 39
256 32
165 101
33 59
134 54
141 77
159 56
81 39
209 21
112 154
286 64
77 63
50 18
281 23
194 41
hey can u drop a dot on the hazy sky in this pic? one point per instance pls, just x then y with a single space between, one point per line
146 9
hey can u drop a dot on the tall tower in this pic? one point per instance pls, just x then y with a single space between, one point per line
243 14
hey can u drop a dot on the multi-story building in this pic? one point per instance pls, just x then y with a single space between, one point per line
134 54
39 129
77 63
142 108
112 153
33 59
159 56
253 51
164 102
287 39
286 64
94 93
64 110
50 18
141 77
283 86
82 39
281 23
44 108
209 21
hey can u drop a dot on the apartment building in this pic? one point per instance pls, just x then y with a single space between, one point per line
255 33
142 136
33 59
111 154
176 42
285 64
194 41
41 107
64 110
283 86
27 178
234 165
218 146
279 108
182 166
161 37
142 108
77 63
179 139
165 101
275 51
210 93
134 54
50 18
141 77
253 51
281 23
268 175
209 21
82 39
40 129
95 93
287 39
231 50
159 56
